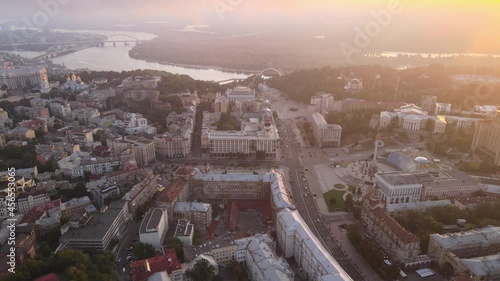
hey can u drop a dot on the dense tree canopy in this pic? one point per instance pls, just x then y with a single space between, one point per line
201 271
380 84
432 220
142 251
71 263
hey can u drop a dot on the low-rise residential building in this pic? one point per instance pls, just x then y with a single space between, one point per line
142 148
35 124
80 162
94 231
178 190
168 262
222 249
74 206
142 192
133 123
29 200
200 214
85 115
154 227
326 135
261 261
21 133
60 109
80 135
184 231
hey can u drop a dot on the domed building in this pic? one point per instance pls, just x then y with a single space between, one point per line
74 83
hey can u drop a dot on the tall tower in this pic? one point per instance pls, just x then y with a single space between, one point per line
373 167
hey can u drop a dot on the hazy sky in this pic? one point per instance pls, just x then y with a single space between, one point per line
244 10
477 18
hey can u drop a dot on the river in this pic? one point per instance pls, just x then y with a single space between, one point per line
116 58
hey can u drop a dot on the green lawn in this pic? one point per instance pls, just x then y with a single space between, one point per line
337 196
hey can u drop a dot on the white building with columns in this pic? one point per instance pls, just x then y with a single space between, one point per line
240 93
412 122
256 136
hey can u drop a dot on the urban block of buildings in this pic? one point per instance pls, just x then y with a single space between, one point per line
22 77
257 136
200 214
410 187
473 253
398 243
176 142
133 123
94 231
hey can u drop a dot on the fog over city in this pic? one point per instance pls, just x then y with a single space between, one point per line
249 140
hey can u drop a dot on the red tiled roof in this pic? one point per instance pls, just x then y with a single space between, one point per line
23 195
394 226
184 171
172 191
48 277
168 262
35 213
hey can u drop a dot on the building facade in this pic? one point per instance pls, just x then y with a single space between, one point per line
297 240
326 135
94 231
200 214
154 227
29 77
26 201
257 138
474 252
400 244
486 141
240 93
143 149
